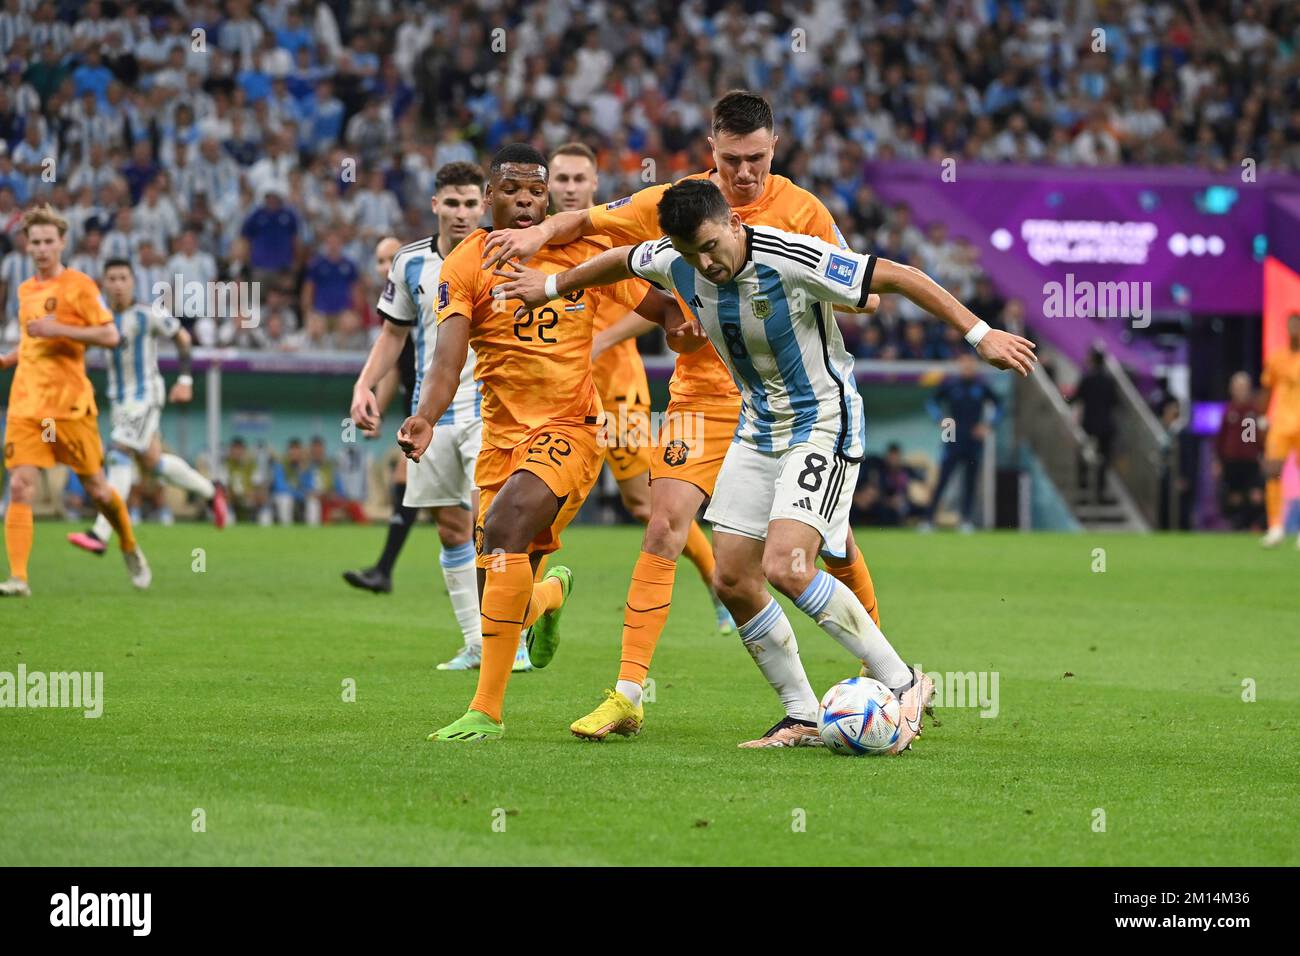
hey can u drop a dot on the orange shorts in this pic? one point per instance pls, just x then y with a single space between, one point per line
624 436
73 442
566 457
1278 445
692 440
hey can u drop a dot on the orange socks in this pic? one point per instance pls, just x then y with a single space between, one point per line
506 591
648 599
115 512
547 596
857 579
700 552
18 538
1273 502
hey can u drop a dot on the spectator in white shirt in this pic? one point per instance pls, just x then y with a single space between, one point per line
156 215
375 209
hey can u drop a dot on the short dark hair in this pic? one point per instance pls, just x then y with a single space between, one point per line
685 206
575 149
458 174
740 112
517 153
115 263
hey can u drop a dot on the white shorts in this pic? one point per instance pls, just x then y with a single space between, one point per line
808 484
134 424
444 476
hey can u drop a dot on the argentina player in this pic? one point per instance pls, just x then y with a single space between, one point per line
137 394
764 298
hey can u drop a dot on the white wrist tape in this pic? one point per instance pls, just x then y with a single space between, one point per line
977 333
184 380
551 288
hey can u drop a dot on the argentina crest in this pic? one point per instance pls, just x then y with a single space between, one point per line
762 306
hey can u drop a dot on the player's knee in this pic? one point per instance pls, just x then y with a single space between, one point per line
733 583
662 538
789 573
22 487
503 530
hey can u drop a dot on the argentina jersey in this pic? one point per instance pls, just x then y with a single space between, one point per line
409 299
774 326
133 374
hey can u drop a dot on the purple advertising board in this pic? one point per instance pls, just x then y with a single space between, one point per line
1198 239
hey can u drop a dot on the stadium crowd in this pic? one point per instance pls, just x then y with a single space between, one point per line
277 141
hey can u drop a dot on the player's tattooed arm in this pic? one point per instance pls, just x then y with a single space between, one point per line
522 244
529 285
182 389
439 386
1000 349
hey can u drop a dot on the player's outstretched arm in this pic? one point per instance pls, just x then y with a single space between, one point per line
439 387
523 244
383 356
629 327
1000 349
683 333
48 327
182 389
529 285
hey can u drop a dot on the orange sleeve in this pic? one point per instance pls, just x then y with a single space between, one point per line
90 303
631 219
821 223
458 283
1268 378
629 293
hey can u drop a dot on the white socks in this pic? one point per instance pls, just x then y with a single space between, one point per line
769 638
840 614
629 689
176 471
461 576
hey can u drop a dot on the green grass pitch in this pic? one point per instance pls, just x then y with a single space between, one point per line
1120 693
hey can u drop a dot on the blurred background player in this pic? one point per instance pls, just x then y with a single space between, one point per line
444 479
1237 458
400 380
619 374
136 392
540 454
965 398
52 416
1281 394
685 464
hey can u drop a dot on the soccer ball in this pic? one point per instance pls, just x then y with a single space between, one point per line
859 716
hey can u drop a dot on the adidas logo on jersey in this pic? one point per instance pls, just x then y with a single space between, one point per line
804 503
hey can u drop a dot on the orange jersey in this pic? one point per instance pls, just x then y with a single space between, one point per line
701 375
619 372
50 381
537 369
1282 375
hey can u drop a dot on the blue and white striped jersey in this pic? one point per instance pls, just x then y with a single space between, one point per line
410 298
774 326
133 374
